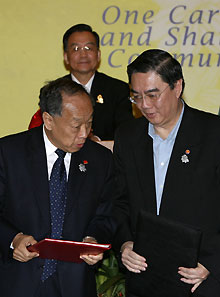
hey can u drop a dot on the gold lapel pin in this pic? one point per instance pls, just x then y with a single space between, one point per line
100 99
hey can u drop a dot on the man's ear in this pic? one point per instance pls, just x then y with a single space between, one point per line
178 88
99 55
66 60
48 120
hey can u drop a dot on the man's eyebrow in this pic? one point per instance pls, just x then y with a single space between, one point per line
79 119
147 91
77 43
75 120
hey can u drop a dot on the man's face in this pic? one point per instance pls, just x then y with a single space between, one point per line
158 103
70 130
85 58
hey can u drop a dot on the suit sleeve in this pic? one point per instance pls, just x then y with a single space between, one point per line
121 208
102 226
210 254
210 247
124 107
7 230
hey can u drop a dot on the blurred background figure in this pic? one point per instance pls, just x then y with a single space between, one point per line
82 57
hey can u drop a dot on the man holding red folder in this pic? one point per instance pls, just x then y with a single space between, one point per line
30 190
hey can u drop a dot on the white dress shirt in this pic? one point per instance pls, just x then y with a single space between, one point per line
162 149
86 86
52 156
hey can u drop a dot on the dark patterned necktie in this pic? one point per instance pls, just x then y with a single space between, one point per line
58 194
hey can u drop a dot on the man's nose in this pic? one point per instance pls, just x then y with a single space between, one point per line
83 51
146 102
83 133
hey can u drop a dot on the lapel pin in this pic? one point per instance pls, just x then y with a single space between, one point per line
82 166
185 158
100 99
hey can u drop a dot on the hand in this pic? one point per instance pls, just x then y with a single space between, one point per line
20 243
194 276
91 259
132 261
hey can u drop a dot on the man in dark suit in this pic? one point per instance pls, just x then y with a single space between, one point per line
82 57
168 163
27 215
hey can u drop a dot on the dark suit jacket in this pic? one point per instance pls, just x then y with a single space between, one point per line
116 107
191 191
24 207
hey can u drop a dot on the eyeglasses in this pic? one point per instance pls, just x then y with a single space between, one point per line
136 98
86 48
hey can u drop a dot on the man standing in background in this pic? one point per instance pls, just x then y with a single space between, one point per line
82 57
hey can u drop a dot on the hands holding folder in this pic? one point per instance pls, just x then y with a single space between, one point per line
164 252
91 259
132 261
70 251
136 263
27 248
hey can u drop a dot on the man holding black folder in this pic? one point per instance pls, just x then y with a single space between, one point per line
54 183
168 166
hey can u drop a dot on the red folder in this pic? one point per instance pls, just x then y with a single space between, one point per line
64 250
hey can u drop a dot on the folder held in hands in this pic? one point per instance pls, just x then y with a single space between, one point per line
166 245
64 250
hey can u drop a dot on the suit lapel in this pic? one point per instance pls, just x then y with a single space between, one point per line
143 160
95 84
39 173
95 88
187 144
76 179
39 176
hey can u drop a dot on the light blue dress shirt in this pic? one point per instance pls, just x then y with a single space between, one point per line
162 149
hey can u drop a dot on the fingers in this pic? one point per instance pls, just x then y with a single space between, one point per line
188 273
20 244
195 287
194 276
24 255
199 272
91 259
196 282
132 261
89 239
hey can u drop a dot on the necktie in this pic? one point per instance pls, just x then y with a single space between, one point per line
58 194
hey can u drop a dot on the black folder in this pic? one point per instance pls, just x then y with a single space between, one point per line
166 245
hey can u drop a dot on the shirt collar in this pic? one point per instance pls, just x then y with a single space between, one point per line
50 148
86 86
151 130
